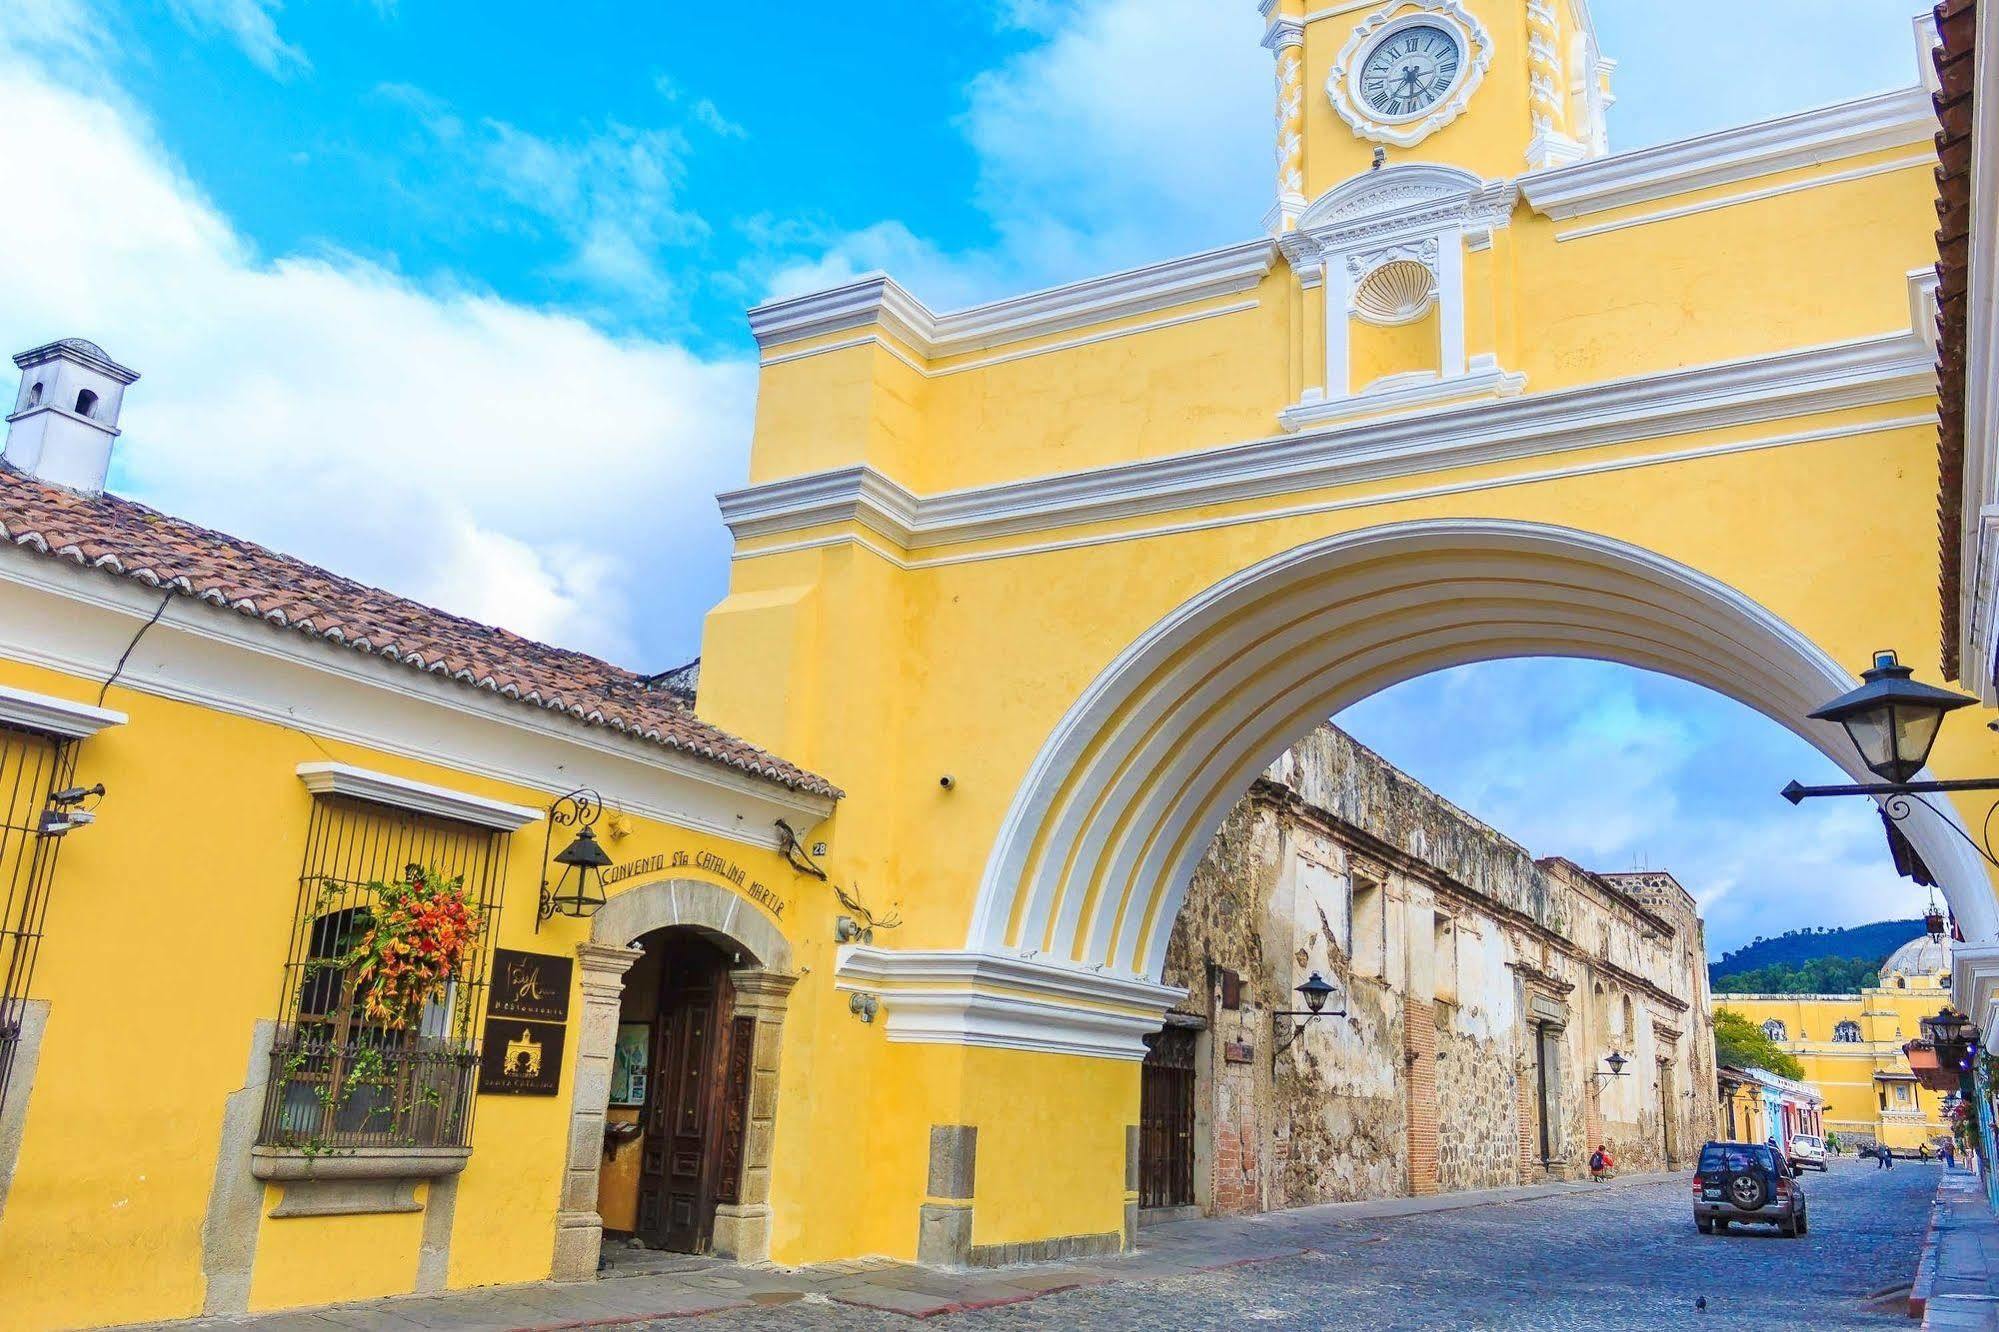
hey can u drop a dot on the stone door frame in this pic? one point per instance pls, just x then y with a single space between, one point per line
762 979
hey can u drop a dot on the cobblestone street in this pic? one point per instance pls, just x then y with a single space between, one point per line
1624 1259
1623 1256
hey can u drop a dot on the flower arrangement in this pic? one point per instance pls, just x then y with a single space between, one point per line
421 929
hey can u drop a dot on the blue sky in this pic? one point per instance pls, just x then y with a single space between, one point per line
449 295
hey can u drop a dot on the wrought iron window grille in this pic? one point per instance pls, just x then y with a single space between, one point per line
340 1080
33 767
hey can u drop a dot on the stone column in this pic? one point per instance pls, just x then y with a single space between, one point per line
1286 39
579 1230
742 1228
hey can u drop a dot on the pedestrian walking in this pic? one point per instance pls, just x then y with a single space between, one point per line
1948 1150
1884 1157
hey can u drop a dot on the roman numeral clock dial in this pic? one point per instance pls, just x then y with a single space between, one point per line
1410 71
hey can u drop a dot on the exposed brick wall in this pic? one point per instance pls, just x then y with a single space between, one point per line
1529 1121
1238 1168
1419 1044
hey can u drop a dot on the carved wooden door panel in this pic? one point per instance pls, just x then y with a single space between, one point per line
677 1173
1166 1120
735 1109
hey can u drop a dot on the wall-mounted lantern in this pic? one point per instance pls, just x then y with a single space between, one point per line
1893 720
1315 991
1616 1062
579 887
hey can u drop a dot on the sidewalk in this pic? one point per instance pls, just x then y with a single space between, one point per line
1957 1279
646 1286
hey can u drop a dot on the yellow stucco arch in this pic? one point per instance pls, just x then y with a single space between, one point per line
1104 832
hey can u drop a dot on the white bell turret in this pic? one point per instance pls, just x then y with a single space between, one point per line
65 416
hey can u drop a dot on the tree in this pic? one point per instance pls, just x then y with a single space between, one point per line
1820 975
1740 1043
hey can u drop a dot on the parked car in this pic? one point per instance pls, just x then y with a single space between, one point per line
1807 1152
1747 1181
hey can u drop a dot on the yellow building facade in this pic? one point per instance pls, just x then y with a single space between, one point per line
1850 1046
1025 596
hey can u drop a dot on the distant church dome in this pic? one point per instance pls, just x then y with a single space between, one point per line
1921 957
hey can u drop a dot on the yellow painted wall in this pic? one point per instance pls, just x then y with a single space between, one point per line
1378 351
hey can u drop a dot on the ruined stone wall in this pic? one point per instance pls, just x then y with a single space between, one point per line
1448 943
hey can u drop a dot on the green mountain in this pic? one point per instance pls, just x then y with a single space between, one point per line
1868 945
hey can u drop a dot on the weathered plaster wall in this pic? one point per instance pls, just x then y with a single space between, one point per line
1448 942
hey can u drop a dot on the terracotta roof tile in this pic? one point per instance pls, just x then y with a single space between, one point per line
1956 63
126 538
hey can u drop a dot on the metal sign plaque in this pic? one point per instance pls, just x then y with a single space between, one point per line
521 1058
530 986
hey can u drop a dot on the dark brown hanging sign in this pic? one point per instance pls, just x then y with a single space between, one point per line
532 986
521 1058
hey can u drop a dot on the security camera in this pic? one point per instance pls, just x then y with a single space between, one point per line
947 781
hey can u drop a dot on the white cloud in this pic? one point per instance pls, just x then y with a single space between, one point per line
1132 131
943 281
252 25
1617 769
611 194
500 460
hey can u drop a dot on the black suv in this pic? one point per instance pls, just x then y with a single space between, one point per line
1747 1181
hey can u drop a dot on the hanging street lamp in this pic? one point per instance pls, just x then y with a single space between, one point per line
1316 991
1617 1062
579 888
1892 720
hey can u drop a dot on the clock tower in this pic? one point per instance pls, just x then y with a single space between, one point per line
1495 87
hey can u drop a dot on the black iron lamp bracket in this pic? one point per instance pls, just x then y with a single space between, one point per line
1283 1040
1898 800
572 809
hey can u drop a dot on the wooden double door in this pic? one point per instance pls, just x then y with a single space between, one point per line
698 1103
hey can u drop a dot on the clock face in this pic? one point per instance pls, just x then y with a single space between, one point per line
1409 71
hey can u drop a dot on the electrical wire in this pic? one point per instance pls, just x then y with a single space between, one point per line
132 647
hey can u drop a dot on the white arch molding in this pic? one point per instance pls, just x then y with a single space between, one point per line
1103 835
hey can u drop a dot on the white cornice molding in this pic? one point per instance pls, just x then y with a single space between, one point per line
54 716
1008 1002
1283 32
1866 372
877 301
77 621
1807 138
381 788
1401 395
1380 207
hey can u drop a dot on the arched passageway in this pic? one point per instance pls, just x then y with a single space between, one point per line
1102 836
721 977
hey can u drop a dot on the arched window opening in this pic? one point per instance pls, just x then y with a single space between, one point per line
86 403
34 395
1847 1033
1630 1028
1775 1030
